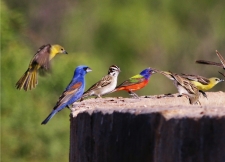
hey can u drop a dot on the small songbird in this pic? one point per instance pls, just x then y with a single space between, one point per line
39 63
222 64
202 83
184 86
72 93
136 82
105 85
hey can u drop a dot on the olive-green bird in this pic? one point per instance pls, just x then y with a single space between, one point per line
39 63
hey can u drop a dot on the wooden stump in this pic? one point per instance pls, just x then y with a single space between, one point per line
111 130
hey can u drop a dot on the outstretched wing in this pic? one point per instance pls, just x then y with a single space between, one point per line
42 57
209 63
68 94
221 58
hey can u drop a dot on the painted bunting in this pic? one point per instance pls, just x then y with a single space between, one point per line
136 82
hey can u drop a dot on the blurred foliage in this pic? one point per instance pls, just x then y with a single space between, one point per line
168 35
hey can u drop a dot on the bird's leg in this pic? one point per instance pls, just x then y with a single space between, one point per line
98 96
185 95
133 94
203 93
197 103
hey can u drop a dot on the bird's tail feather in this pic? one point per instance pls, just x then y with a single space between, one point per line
117 89
49 117
28 80
85 95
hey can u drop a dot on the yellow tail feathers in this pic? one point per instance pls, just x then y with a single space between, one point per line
28 81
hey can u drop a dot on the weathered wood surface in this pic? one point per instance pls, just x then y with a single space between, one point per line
148 130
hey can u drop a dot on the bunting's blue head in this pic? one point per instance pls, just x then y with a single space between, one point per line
81 70
147 73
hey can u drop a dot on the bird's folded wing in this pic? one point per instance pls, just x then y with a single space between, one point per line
106 81
134 80
185 83
196 78
68 94
102 83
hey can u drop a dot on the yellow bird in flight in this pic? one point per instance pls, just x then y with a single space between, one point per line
39 63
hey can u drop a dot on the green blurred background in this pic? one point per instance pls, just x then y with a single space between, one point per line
165 34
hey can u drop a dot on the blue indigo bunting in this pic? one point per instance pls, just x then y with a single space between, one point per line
72 93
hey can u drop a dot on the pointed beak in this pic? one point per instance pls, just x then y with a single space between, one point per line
153 70
88 70
64 52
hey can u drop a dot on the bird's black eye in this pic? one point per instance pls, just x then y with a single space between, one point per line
61 49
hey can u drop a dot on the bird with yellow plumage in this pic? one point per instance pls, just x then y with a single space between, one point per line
39 63
202 83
